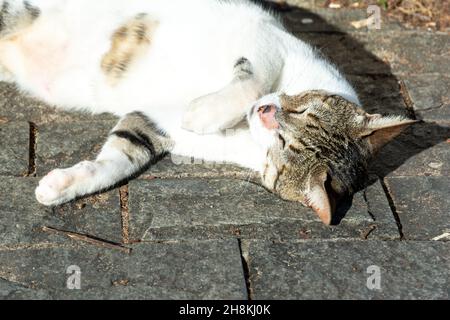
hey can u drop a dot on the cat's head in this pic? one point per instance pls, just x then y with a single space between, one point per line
318 146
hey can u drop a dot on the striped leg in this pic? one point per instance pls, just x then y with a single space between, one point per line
16 15
132 145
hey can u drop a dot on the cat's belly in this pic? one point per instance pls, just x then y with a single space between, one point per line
68 73
184 60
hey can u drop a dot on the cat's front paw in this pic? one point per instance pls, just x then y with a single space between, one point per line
63 185
51 189
201 119
209 114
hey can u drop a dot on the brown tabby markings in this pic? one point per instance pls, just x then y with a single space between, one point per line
12 22
315 137
127 43
323 148
139 139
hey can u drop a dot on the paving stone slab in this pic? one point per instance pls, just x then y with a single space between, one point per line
339 269
379 94
422 150
215 208
188 270
22 217
61 145
14 291
422 204
410 52
384 52
430 95
336 48
14 146
17 106
331 20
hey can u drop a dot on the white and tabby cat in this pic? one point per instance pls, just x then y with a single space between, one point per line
182 72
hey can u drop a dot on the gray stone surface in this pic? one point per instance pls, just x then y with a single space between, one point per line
379 94
16 106
409 52
22 218
13 291
330 20
61 145
14 146
338 269
383 52
185 270
422 204
430 96
422 150
336 48
211 208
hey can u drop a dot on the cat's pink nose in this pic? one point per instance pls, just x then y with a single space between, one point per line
267 116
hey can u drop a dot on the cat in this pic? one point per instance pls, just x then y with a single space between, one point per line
215 80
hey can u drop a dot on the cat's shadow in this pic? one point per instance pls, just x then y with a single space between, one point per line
411 142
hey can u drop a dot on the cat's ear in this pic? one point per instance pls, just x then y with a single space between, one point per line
380 130
321 198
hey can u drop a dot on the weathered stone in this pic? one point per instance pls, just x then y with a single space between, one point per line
409 52
211 208
430 95
188 270
339 269
379 94
422 204
16 106
336 48
321 20
14 146
14 291
22 218
61 145
331 20
422 150
383 53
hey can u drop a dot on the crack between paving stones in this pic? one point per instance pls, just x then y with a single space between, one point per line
125 214
88 239
32 150
432 108
407 100
366 200
393 207
16 283
246 268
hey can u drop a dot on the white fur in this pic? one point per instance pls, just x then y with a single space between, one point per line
192 55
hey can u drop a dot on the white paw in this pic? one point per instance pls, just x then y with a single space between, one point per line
209 114
63 185
201 118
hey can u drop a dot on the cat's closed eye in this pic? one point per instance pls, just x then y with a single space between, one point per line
297 112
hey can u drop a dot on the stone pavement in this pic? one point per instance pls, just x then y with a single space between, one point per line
200 231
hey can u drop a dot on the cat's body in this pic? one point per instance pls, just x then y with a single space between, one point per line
195 68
